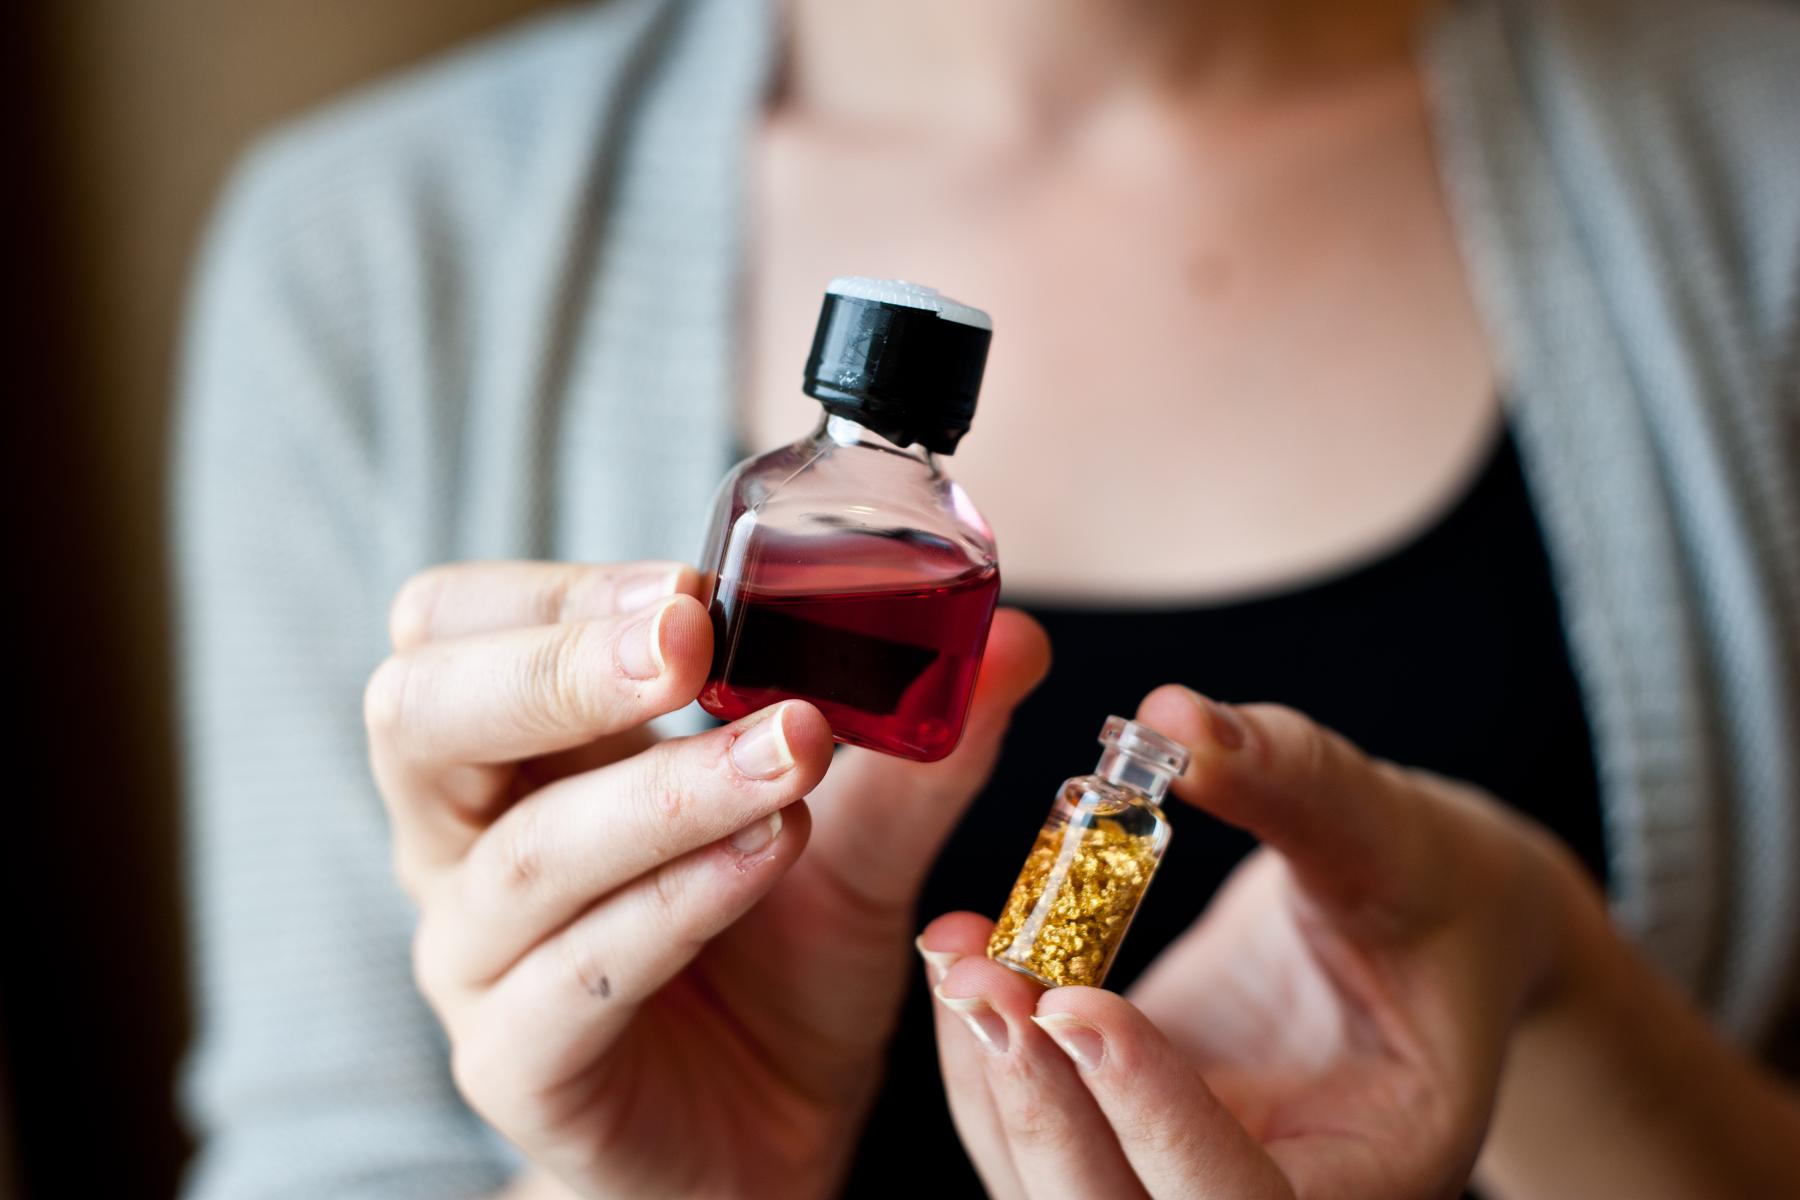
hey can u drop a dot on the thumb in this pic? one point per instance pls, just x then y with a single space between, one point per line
1355 830
880 820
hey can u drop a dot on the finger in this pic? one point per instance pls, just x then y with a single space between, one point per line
459 599
1353 828
576 991
1052 1131
880 820
518 693
946 941
447 720
1179 1139
555 852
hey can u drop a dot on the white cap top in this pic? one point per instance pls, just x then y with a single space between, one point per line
909 295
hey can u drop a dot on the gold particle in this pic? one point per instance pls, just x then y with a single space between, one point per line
1073 902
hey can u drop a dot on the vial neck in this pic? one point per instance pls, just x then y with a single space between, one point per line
1129 771
845 431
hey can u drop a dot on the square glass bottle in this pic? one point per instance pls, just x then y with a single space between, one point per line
848 569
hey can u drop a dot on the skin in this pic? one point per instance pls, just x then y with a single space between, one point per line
1229 278
654 990
643 1005
1337 1023
1238 203
1333 1026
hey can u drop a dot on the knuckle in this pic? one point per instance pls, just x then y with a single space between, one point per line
1303 743
1156 1133
410 614
557 675
510 864
1032 1124
521 847
482 1068
385 698
1313 751
560 595
585 591
663 794
666 896
484 1065
472 1069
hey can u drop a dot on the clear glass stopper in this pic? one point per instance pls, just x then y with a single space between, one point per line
1140 758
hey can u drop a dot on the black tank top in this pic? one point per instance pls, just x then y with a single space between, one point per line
1447 653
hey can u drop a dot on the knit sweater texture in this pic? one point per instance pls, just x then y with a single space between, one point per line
491 309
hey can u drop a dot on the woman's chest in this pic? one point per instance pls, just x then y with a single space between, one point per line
1191 392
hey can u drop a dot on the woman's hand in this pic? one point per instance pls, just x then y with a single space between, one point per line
1334 1026
647 987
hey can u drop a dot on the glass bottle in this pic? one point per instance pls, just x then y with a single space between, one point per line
1092 862
848 569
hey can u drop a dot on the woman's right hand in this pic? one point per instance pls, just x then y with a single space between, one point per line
647 988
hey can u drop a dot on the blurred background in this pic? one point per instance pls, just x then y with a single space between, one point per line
121 120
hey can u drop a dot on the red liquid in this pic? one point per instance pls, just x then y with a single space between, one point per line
891 667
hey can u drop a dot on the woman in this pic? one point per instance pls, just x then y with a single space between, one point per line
1295 303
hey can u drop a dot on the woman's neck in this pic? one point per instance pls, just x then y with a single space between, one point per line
1026 71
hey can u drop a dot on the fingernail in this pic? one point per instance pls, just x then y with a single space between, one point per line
753 838
988 1026
1079 1040
1226 727
644 591
639 655
761 751
937 962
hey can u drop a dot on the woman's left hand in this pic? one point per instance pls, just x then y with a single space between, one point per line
1333 1026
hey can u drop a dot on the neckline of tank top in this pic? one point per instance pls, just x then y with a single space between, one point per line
1497 464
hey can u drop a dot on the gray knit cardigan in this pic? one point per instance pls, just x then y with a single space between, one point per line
490 310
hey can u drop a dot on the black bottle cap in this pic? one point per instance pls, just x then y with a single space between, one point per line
900 359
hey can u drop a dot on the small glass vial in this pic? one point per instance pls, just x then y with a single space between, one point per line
847 569
1093 860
